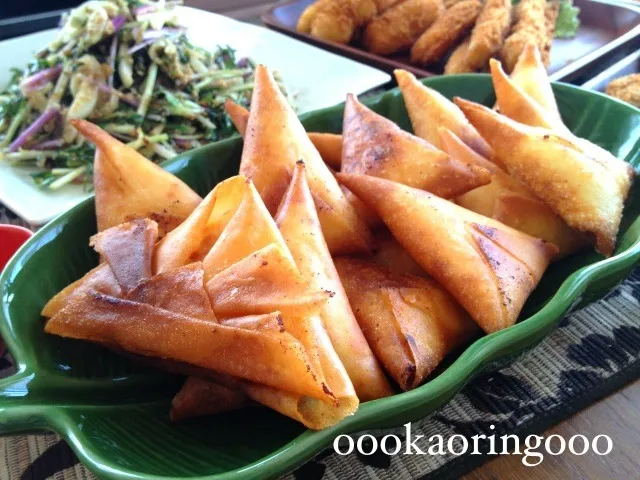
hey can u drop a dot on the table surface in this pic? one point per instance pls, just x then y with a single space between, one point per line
617 415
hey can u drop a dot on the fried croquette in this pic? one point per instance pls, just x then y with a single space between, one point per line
400 26
489 33
626 89
452 24
457 62
305 20
530 27
336 20
551 11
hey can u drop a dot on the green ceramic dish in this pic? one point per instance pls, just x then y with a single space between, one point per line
114 413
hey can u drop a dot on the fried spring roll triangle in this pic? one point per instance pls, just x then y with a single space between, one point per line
509 201
263 282
199 397
329 145
128 249
229 224
193 238
298 221
238 114
180 290
272 357
100 279
516 104
135 240
128 186
390 254
410 322
374 145
274 142
313 413
204 397
429 109
489 268
530 75
250 229
594 184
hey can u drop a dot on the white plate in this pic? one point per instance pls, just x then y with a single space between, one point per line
316 77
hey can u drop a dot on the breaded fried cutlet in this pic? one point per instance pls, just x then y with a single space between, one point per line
449 27
530 27
550 17
457 62
397 28
489 33
626 89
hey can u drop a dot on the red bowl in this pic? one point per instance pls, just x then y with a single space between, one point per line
11 239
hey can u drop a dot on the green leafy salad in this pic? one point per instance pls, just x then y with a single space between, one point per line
128 67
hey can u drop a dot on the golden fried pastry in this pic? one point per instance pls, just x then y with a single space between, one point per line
513 102
444 33
224 393
400 26
410 322
457 62
530 75
429 110
329 145
298 222
376 146
312 412
265 281
273 356
128 249
127 186
200 397
137 239
274 142
390 254
530 27
582 183
626 89
179 290
247 229
100 279
238 114
200 237
489 268
489 32
509 201
249 279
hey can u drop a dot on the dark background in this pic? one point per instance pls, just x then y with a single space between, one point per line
19 17
15 8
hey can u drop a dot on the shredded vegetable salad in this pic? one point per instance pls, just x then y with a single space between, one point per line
127 66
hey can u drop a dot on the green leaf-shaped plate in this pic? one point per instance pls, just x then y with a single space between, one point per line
114 413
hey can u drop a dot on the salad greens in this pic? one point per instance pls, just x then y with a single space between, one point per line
127 66
568 22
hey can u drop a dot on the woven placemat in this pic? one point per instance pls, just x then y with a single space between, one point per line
594 351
